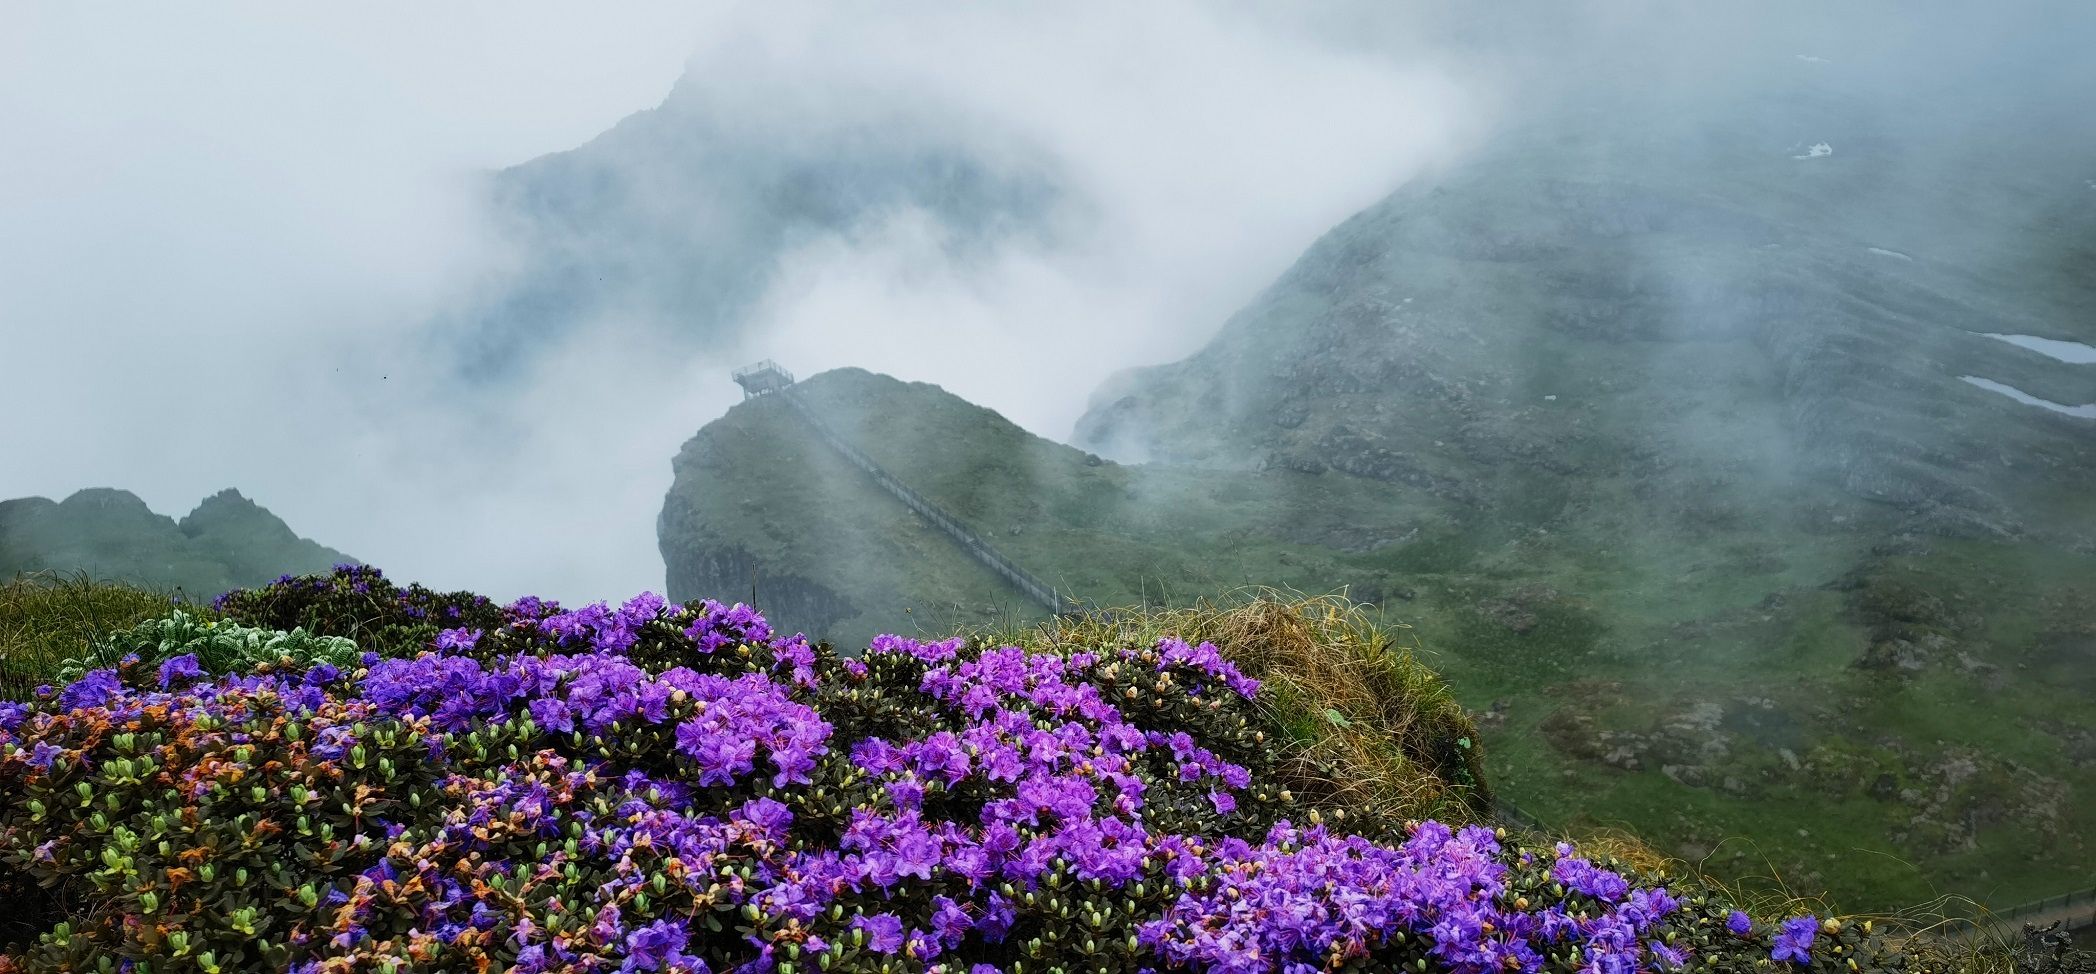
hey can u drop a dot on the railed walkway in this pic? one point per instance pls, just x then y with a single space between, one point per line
2072 911
969 542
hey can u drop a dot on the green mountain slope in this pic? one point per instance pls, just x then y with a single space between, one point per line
1879 720
1736 550
759 500
227 542
1662 443
1654 418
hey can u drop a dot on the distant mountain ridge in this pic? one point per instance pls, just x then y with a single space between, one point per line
227 542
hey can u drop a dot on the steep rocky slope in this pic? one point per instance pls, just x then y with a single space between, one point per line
227 542
1665 445
1656 416
1767 693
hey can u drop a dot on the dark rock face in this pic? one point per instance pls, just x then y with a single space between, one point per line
227 542
729 572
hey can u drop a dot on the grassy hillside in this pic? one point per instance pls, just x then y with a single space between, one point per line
1733 549
48 619
1817 702
839 554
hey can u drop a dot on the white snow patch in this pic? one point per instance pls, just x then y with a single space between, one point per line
2074 353
1882 252
1817 150
2085 411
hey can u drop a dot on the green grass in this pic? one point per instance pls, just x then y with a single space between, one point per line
1349 690
47 618
1797 654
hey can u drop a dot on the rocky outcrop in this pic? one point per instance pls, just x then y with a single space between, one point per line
730 573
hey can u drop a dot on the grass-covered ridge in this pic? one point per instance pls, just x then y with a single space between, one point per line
761 503
677 787
1365 726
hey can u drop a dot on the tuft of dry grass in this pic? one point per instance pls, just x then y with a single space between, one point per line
47 618
1364 725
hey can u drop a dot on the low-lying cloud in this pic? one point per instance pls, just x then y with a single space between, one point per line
231 243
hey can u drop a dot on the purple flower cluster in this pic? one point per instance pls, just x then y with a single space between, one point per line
678 788
1794 943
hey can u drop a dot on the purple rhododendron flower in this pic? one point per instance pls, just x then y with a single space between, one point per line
98 687
183 667
883 931
43 754
1794 943
652 947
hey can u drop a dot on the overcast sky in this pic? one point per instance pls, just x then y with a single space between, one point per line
225 229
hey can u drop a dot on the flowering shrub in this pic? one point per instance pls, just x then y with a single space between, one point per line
656 787
358 602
